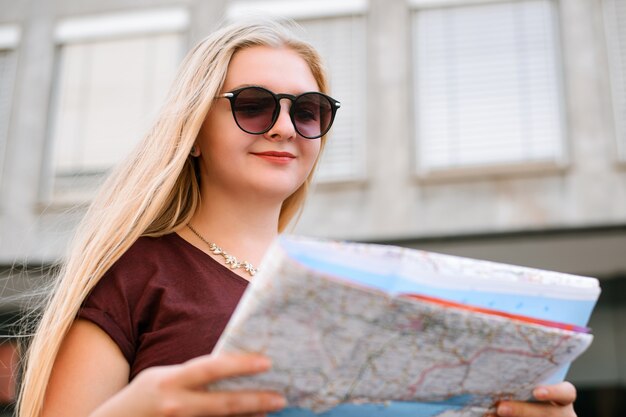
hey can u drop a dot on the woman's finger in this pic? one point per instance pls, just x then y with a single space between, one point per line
210 368
563 393
525 409
232 403
251 415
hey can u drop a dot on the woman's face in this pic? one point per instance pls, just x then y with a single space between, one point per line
270 165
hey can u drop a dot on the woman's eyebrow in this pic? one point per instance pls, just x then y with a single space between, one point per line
239 86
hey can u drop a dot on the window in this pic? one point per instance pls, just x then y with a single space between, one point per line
615 16
487 87
341 41
9 38
337 30
112 74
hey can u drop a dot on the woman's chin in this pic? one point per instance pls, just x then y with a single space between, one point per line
276 191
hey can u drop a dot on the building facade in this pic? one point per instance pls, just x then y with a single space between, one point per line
494 129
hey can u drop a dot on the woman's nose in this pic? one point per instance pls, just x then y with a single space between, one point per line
283 129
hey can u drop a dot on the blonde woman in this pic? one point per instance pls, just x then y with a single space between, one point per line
149 283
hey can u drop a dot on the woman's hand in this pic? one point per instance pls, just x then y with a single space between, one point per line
180 390
555 401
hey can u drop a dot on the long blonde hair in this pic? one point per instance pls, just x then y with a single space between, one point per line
153 192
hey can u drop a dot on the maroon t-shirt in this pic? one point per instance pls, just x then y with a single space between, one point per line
164 302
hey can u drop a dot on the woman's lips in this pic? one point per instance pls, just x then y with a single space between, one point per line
276 157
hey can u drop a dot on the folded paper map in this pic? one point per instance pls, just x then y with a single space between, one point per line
373 330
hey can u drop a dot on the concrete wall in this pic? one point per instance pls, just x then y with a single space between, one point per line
392 203
30 228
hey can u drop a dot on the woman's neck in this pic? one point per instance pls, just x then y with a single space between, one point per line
244 229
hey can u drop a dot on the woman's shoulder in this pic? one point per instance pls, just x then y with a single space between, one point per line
165 256
152 249
128 292
157 260
147 255
147 261
148 245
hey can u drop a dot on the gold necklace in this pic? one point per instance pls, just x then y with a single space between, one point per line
229 260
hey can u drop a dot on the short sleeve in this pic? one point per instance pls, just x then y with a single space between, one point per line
113 301
163 302
107 323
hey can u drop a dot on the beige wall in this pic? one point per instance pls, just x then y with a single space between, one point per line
392 203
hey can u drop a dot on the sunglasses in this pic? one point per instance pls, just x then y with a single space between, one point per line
256 110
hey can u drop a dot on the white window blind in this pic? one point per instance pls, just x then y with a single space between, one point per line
487 86
341 42
107 93
112 73
296 10
7 78
615 16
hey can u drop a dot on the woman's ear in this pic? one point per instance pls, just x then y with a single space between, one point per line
195 151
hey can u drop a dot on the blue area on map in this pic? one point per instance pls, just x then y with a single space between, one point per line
562 310
391 409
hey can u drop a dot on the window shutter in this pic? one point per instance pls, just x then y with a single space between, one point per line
487 86
615 15
341 42
107 93
7 75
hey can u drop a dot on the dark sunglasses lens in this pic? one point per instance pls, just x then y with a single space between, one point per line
254 110
312 114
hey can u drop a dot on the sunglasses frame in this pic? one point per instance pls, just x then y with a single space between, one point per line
232 96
